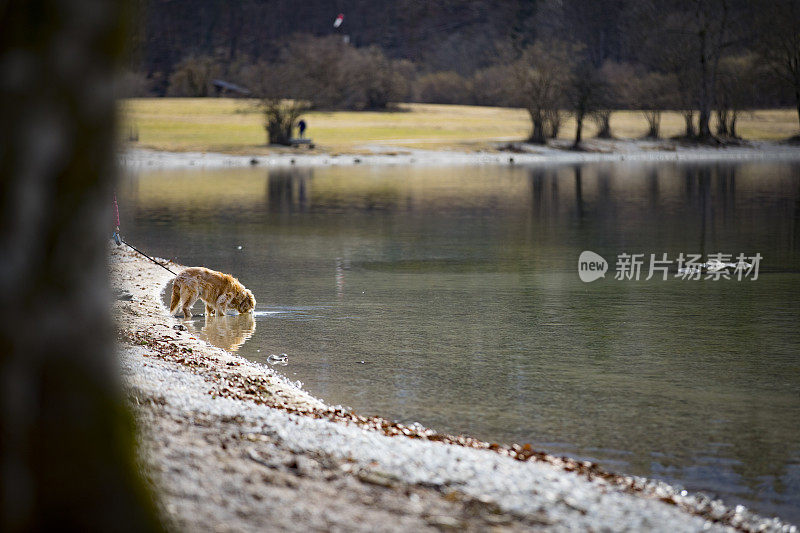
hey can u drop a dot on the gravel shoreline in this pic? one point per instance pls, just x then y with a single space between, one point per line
232 445
595 150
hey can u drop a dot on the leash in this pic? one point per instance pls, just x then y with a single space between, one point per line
147 256
120 241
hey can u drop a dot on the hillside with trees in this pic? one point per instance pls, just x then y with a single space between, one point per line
707 59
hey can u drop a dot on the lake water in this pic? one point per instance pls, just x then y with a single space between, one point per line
450 296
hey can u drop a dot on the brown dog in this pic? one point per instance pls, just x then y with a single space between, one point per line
218 291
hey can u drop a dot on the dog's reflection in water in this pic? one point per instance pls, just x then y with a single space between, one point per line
228 332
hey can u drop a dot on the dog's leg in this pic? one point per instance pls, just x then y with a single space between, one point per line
222 304
176 298
209 310
188 300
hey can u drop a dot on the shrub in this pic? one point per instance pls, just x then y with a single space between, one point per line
335 75
443 88
193 76
369 80
491 86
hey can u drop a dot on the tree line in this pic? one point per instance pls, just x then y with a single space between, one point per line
707 59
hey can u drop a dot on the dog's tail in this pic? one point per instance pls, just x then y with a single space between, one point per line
176 298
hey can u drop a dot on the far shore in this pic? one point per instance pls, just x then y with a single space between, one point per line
502 153
236 127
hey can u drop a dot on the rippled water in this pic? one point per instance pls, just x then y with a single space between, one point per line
450 296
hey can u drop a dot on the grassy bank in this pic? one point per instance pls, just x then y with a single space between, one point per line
235 126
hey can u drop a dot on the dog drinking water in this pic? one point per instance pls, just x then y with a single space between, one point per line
218 291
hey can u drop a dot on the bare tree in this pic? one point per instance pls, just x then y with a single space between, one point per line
553 120
677 60
777 40
271 85
608 101
711 29
193 77
687 38
651 94
66 437
736 86
586 93
541 76
602 120
280 117
619 83
714 26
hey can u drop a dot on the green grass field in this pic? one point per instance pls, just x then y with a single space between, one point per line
235 126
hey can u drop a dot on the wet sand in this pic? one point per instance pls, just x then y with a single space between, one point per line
233 445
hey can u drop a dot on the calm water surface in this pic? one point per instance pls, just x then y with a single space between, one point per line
450 296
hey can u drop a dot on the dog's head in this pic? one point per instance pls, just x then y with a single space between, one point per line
244 302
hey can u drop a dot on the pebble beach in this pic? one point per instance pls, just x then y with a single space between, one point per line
232 445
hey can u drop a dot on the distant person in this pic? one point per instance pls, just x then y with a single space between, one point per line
301 126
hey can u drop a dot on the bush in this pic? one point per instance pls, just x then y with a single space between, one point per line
491 86
272 85
193 76
335 75
443 88
369 80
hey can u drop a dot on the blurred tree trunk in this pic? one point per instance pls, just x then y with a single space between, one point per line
66 438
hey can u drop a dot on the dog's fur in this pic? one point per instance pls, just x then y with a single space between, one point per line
218 291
